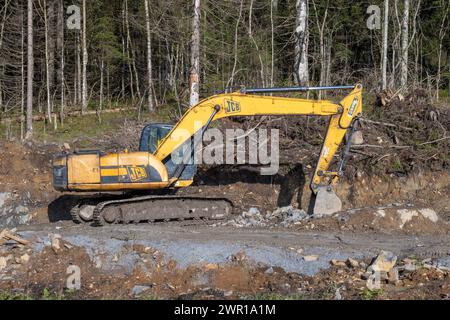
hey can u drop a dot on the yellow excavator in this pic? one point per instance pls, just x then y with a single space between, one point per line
153 168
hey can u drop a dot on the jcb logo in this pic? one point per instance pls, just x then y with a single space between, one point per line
232 106
136 173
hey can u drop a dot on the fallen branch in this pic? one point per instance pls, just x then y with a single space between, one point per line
386 124
379 147
434 141
7 235
42 117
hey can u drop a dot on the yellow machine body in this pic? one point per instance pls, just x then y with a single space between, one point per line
94 171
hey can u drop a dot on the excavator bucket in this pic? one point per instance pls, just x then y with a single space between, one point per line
327 202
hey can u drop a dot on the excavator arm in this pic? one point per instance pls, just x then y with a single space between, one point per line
241 103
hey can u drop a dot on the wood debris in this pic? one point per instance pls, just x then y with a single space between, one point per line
7 235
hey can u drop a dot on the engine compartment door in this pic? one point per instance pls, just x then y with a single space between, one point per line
83 168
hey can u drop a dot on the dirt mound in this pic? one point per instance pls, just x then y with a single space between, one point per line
25 182
390 220
24 167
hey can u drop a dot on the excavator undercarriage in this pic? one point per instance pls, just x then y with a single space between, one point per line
151 209
148 179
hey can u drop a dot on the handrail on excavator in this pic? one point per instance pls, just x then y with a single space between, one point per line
294 89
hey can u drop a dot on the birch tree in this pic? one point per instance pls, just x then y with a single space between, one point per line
405 46
194 81
2 29
30 65
321 30
149 57
443 30
385 45
60 49
47 62
85 62
301 74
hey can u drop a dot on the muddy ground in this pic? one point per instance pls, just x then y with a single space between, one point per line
396 198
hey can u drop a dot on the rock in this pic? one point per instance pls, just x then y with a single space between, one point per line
98 262
406 215
199 279
137 290
338 263
211 266
55 241
410 267
254 211
228 293
238 257
269 271
357 138
24 219
352 263
384 262
393 276
3 197
429 214
337 295
380 213
3 263
310 258
24 258
21 209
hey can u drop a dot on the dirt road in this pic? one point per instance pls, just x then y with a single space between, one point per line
204 244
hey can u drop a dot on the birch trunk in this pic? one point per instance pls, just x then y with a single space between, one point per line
127 31
60 47
47 63
51 46
195 56
30 65
149 57
385 45
85 61
2 29
22 73
79 70
301 44
102 67
272 41
404 48
442 33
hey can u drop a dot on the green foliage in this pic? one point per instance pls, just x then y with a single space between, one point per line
104 41
277 296
396 166
6 295
47 295
368 294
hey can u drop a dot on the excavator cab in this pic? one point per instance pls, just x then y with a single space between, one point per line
152 135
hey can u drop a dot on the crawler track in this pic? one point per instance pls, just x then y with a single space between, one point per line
151 209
